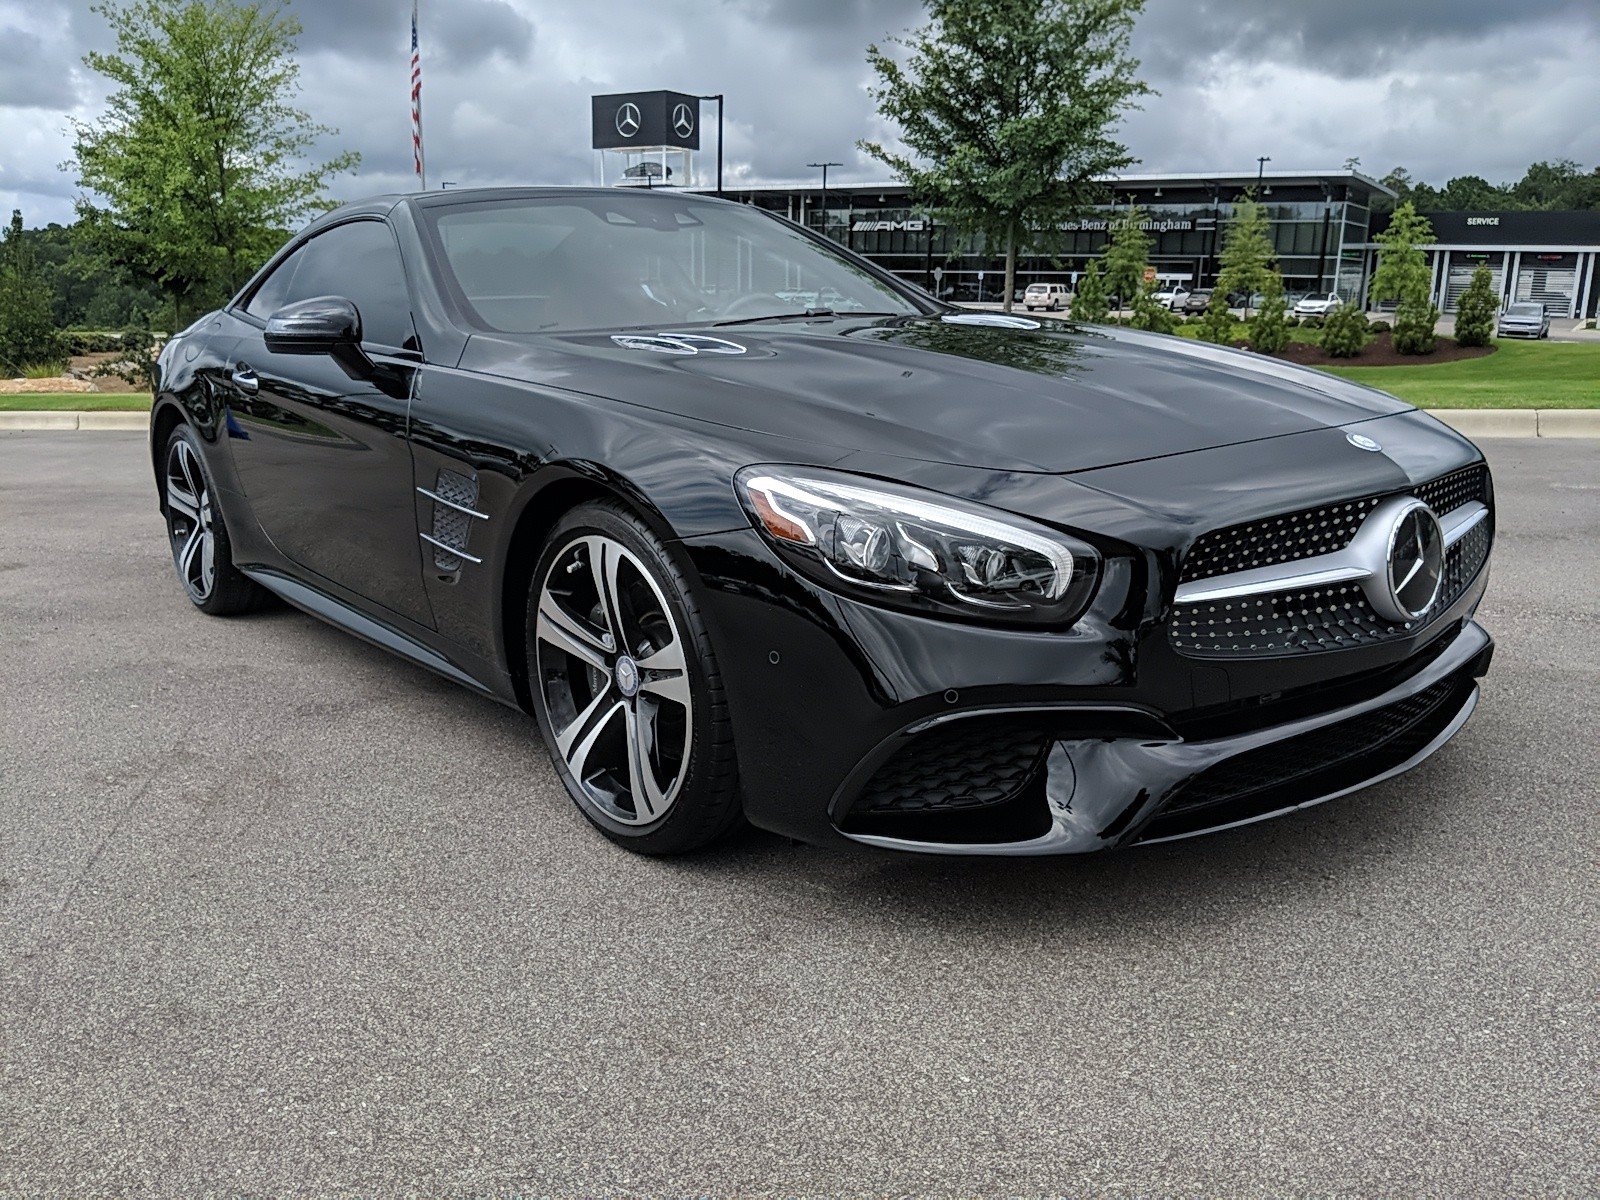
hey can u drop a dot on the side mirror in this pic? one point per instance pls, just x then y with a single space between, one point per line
328 325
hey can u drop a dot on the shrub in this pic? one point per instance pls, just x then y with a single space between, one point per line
1269 332
1217 325
1475 313
1379 327
1344 332
1414 320
1312 322
1089 298
92 341
1148 315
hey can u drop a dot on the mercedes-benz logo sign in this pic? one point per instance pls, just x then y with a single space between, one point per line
683 120
1362 442
628 119
1416 562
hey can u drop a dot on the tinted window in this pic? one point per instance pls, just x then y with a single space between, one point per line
641 260
358 261
273 293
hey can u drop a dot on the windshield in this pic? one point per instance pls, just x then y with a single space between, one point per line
1525 310
630 260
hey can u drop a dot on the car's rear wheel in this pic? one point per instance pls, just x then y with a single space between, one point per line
201 552
626 688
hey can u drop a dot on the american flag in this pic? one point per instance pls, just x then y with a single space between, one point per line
416 102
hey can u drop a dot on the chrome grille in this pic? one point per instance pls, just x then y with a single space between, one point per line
1310 620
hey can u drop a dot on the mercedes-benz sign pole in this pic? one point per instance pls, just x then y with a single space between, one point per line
718 99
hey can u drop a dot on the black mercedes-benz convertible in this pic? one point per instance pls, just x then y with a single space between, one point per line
753 528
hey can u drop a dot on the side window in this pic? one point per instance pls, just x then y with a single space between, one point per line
273 293
360 262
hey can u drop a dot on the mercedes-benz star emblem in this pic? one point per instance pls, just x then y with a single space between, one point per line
628 119
628 677
682 120
1362 442
1416 562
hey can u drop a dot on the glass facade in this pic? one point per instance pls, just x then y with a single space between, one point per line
1315 223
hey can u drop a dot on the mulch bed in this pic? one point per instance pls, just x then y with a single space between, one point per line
1380 352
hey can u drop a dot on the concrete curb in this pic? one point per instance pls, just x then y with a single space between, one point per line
34 422
1474 422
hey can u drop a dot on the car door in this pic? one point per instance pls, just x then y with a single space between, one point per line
324 459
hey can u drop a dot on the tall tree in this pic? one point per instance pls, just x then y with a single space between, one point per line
1126 258
1089 298
1008 109
1475 312
28 336
1403 276
1247 251
200 161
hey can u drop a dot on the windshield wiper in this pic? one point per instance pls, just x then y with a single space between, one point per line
800 316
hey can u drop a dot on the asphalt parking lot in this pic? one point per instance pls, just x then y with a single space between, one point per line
280 913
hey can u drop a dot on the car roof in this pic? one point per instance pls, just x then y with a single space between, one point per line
385 203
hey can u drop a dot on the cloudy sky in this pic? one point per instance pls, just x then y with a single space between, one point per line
1443 87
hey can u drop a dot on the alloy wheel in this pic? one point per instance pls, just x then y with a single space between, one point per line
611 665
191 522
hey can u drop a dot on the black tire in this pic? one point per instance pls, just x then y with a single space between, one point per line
705 802
223 590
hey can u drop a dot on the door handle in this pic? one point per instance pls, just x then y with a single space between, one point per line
243 378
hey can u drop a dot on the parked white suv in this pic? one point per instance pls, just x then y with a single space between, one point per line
1317 304
1172 297
1046 295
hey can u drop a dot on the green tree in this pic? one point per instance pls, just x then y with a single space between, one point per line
1403 276
1089 299
1008 110
28 334
1247 253
1344 332
1126 258
199 163
1475 312
1269 332
1217 323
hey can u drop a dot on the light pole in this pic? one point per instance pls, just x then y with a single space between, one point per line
718 99
825 166
1261 166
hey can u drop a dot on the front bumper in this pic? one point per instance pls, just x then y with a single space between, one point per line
1101 792
825 693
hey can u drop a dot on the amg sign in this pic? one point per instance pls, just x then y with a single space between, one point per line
912 226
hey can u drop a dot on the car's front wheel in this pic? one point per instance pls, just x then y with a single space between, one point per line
625 685
201 552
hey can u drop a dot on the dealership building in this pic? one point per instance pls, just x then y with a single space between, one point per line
1322 224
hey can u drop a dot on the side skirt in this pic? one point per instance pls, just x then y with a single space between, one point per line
340 615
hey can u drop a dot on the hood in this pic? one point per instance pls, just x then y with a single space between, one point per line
1054 400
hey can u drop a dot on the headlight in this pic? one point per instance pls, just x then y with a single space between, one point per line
907 548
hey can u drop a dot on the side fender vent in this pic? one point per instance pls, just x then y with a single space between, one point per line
455 507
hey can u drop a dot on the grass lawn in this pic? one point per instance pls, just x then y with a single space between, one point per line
76 402
1517 375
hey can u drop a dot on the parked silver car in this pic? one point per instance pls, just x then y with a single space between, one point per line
1523 319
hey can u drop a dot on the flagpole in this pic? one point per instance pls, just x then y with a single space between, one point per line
416 104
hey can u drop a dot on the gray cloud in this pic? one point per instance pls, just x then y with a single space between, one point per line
1445 87
31 78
